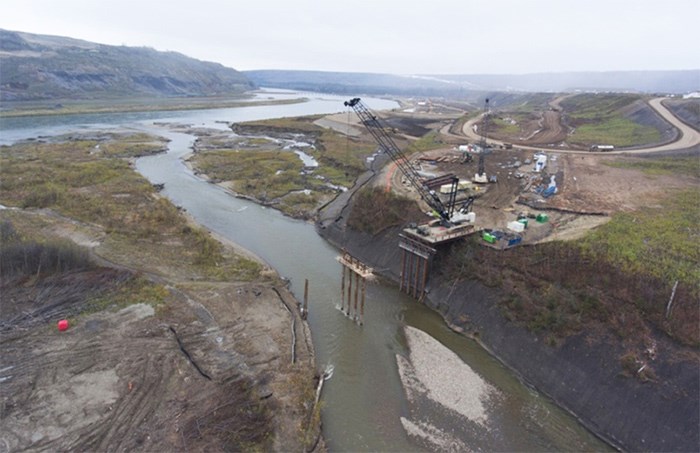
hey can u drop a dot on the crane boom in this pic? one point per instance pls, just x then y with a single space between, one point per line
377 129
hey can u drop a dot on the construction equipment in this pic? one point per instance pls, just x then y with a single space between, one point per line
466 207
424 188
480 176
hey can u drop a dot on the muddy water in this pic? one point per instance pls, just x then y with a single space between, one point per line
366 404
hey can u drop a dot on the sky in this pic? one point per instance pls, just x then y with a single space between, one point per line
386 36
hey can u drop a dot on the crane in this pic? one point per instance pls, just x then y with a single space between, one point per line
480 176
376 127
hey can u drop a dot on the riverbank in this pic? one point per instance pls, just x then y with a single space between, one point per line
176 341
72 107
582 373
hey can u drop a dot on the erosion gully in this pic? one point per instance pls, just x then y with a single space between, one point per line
366 404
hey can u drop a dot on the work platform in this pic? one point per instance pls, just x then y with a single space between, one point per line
434 233
419 245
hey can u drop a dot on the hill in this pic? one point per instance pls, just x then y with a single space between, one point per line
40 67
674 82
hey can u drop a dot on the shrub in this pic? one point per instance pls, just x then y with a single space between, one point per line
31 257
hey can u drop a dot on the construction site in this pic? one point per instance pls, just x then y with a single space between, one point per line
507 195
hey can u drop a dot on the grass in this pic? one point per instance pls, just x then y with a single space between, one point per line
503 127
264 175
597 106
429 141
662 242
616 131
276 177
620 276
598 119
96 189
132 145
687 165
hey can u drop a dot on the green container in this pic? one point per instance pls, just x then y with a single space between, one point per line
488 237
542 218
523 221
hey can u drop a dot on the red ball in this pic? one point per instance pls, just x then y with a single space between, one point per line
63 325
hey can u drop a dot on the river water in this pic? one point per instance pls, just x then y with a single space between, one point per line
379 389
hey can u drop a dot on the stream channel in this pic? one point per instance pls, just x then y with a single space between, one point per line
445 389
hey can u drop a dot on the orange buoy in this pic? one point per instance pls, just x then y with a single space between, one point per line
63 325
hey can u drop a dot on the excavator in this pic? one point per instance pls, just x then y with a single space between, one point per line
449 217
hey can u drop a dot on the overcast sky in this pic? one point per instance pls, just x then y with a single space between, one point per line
392 36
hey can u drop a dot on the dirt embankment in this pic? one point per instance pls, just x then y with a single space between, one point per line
582 373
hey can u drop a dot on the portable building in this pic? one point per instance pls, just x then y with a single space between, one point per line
540 162
488 237
516 226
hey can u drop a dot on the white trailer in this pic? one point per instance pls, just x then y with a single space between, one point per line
540 162
602 148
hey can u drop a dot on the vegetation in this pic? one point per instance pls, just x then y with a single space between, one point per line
532 103
74 180
689 166
48 278
661 242
34 67
501 126
19 256
429 141
265 175
91 195
620 276
260 169
341 158
615 131
126 104
375 209
601 119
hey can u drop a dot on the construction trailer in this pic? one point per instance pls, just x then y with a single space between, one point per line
540 162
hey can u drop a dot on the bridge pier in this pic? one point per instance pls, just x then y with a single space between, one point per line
415 264
361 274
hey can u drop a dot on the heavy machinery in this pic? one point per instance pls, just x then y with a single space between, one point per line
425 188
480 176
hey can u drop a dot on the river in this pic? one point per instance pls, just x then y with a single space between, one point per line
445 387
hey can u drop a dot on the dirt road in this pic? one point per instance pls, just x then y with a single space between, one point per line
688 137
